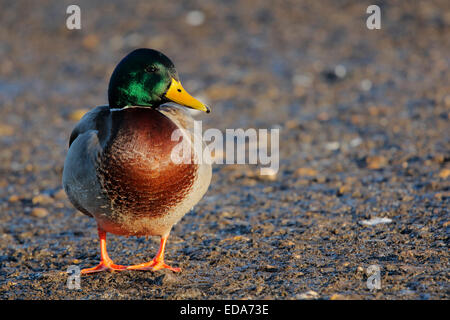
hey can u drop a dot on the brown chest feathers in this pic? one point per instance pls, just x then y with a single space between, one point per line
135 169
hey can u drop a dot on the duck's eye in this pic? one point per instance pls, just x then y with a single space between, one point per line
151 69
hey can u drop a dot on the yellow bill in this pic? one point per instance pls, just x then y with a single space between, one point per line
177 94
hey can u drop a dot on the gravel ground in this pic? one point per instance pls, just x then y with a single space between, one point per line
364 135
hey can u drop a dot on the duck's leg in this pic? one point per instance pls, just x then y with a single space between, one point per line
158 261
105 261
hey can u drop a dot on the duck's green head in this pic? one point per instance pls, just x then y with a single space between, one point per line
146 77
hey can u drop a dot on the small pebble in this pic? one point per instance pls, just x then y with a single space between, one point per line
344 189
226 214
14 198
376 162
60 195
444 173
42 199
39 212
91 41
332 146
291 124
366 84
307 295
340 71
195 18
375 221
270 268
355 142
308 172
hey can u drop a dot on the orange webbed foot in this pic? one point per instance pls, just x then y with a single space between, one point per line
104 266
153 265
158 261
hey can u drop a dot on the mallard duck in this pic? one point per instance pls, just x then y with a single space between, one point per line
119 168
